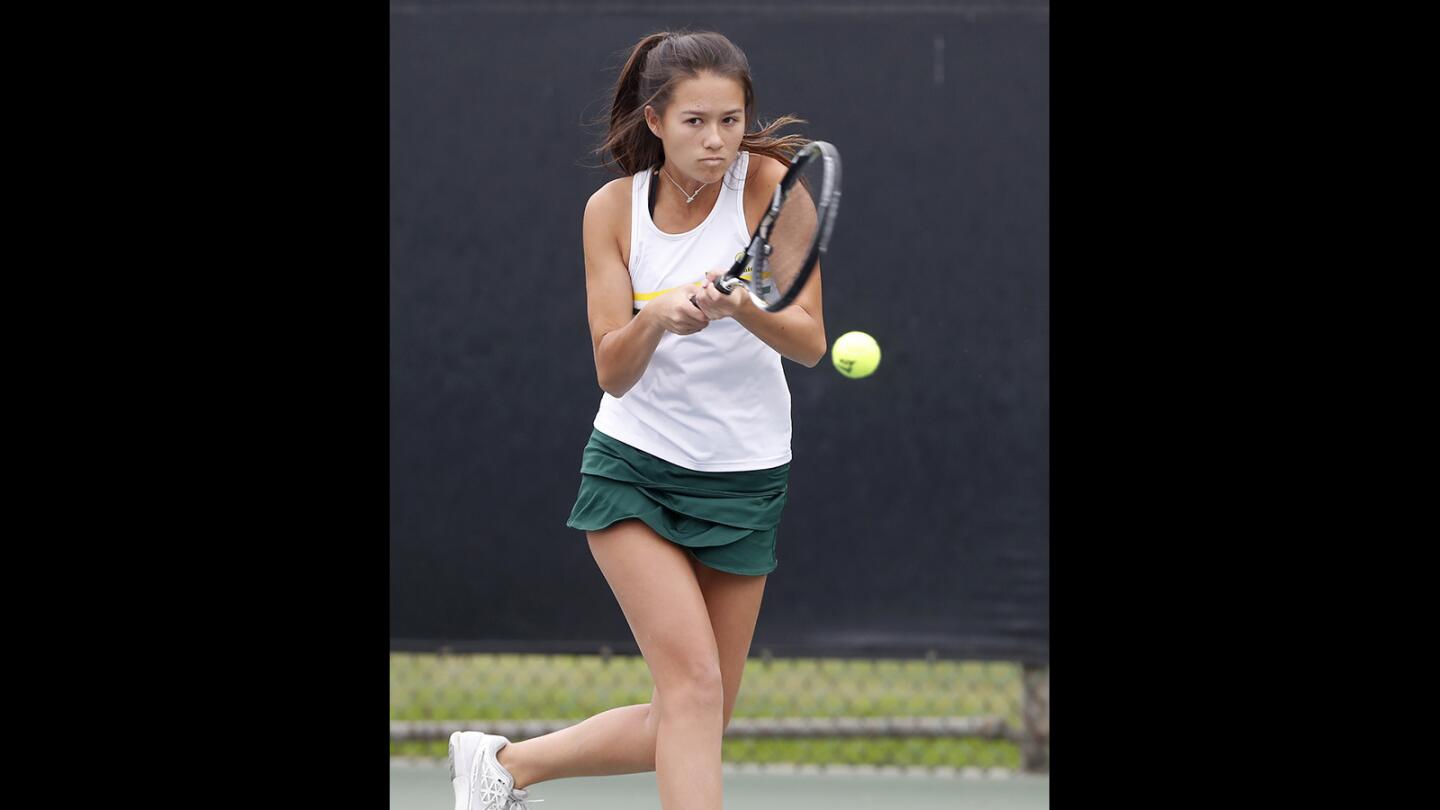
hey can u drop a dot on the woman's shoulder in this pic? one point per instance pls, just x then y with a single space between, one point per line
610 204
762 175
763 166
608 210
613 196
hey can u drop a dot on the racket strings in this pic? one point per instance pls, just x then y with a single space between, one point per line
792 238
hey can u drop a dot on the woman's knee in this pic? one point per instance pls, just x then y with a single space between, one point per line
693 687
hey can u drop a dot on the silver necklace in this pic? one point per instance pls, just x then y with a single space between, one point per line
689 198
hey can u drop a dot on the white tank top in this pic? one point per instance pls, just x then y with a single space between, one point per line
717 400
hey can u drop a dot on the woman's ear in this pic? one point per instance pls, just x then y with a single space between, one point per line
652 120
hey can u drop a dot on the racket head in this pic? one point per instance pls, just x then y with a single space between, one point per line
795 230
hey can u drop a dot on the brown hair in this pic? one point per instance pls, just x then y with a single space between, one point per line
656 64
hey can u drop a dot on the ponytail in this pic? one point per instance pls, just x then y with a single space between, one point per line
631 144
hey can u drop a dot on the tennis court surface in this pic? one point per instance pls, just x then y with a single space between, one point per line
425 785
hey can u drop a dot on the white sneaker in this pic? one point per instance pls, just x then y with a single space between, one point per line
479 780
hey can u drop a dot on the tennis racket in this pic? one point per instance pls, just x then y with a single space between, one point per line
793 234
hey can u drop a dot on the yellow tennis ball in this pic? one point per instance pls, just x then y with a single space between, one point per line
855 354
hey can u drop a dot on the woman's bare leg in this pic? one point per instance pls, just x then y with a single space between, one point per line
622 740
656 585
733 602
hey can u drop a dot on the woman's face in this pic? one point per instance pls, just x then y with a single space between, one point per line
702 127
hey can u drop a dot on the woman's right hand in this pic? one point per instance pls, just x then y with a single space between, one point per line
675 312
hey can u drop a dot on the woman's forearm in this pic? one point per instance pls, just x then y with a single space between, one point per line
792 331
623 354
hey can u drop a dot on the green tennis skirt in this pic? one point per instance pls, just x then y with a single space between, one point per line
725 520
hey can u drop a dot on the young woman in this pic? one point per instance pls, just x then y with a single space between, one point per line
684 477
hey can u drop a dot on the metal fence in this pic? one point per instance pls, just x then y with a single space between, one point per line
929 714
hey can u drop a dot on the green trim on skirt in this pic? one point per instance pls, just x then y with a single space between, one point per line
725 520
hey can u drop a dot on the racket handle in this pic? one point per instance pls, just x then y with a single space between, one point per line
724 284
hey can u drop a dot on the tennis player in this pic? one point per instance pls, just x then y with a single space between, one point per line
684 478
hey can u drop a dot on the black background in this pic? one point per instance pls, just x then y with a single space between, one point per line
918 516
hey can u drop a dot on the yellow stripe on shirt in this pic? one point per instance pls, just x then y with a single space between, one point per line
653 295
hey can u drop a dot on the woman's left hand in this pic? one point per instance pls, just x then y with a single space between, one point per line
717 305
